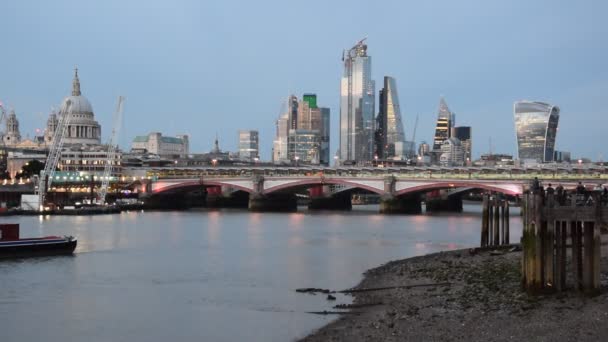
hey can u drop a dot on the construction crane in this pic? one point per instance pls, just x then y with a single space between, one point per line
48 174
413 145
112 147
2 131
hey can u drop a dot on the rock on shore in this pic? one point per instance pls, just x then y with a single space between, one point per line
483 302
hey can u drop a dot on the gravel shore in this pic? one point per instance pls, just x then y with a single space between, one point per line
483 302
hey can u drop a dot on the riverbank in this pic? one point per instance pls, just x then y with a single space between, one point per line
483 302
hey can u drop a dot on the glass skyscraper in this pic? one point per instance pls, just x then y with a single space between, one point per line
389 126
444 125
357 92
536 129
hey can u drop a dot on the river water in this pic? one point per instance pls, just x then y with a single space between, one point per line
202 275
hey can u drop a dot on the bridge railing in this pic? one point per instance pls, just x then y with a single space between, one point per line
600 177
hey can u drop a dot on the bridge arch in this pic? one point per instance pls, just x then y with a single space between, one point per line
507 189
320 182
181 186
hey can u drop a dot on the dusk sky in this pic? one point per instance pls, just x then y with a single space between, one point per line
207 67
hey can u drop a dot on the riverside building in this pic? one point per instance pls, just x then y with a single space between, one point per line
164 146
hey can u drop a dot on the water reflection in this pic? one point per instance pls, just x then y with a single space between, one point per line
208 274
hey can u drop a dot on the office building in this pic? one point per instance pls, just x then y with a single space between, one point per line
452 153
248 145
304 146
536 130
291 142
279 145
443 126
463 133
389 126
165 146
357 103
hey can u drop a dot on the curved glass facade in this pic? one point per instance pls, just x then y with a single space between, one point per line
536 130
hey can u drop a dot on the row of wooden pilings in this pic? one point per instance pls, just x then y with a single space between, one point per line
494 221
547 227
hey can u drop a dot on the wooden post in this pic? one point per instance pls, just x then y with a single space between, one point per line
587 256
484 222
538 242
496 222
506 223
558 257
564 255
576 253
503 238
490 223
548 247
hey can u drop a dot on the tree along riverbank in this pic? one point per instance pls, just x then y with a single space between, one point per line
483 302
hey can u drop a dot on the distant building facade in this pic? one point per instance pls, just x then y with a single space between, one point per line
443 126
12 136
452 153
389 126
249 145
309 140
357 103
279 145
536 130
156 143
304 146
463 133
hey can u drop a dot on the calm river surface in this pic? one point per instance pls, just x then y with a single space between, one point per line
207 275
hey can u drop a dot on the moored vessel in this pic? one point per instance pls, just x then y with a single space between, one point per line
12 246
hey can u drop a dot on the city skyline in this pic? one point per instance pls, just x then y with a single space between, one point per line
163 76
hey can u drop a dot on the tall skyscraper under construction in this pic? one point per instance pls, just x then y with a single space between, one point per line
357 103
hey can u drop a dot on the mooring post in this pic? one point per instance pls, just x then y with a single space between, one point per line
490 222
506 226
484 221
503 220
563 257
496 221
587 255
558 256
538 242
576 254
548 252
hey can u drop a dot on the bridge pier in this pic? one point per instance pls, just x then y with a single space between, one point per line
273 203
409 204
449 204
340 201
217 199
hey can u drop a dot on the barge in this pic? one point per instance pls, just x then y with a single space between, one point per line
12 246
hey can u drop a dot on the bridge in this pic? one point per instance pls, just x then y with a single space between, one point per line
400 189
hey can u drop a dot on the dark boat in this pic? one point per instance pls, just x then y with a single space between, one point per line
11 246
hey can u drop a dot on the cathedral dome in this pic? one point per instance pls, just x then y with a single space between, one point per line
80 105
82 129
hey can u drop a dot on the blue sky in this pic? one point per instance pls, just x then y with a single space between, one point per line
201 67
